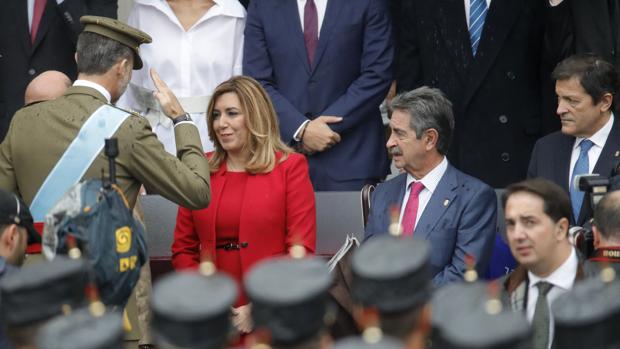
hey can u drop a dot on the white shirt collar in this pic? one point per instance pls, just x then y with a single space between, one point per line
96 86
600 137
563 277
431 180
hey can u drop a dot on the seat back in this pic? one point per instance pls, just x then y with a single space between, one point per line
337 214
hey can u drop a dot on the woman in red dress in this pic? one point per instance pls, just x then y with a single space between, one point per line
262 201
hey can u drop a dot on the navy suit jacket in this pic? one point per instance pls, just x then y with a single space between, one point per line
350 77
459 220
551 160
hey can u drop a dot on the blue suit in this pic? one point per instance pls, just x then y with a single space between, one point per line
459 220
350 78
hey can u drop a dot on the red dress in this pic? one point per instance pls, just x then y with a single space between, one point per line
228 216
269 213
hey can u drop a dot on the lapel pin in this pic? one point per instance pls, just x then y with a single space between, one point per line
617 153
446 202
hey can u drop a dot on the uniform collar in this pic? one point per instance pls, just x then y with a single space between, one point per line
102 90
609 254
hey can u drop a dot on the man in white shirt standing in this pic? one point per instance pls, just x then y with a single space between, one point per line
589 141
536 212
454 212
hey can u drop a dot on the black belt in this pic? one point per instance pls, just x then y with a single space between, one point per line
232 246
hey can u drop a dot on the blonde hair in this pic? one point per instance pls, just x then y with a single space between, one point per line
260 118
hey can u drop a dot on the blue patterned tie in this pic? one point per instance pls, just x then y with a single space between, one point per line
582 166
477 14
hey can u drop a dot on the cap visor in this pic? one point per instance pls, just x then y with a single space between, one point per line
33 236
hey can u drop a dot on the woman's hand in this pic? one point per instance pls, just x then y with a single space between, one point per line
242 319
169 103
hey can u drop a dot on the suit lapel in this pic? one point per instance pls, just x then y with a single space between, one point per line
609 158
330 21
45 23
610 154
20 9
439 203
450 19
499 21
394 188
290 12
563 161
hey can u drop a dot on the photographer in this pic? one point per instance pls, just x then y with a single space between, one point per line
606 230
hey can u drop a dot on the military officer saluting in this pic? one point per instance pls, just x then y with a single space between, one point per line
54 144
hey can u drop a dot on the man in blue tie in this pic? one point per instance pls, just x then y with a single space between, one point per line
487 57
589 141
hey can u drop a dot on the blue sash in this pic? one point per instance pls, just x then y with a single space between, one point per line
78 157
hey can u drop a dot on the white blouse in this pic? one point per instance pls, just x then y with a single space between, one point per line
192 63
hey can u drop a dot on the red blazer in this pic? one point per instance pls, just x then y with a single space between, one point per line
278 211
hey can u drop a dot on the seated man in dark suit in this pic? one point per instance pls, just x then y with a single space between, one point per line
455 212
589 141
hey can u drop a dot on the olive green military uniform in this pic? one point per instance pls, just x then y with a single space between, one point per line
39 135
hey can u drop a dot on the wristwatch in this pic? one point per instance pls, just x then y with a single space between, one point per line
184 117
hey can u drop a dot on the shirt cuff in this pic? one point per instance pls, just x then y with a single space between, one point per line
184 122
297 134
58 2
554 3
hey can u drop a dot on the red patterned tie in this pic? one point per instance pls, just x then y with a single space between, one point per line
311 29
39 7
411 210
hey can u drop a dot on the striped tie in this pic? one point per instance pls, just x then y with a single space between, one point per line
477 14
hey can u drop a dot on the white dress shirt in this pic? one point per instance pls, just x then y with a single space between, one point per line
599 139
192 62
430 182
321 6
562 280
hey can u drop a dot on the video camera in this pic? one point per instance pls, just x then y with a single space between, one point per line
595 188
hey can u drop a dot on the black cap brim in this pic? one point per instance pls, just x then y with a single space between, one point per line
33 235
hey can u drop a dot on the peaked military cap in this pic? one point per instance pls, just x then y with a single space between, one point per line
391 274
588 316
118 31
13 210
82 330
465 317
465 296
193 311
360 343
40 291
289 298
